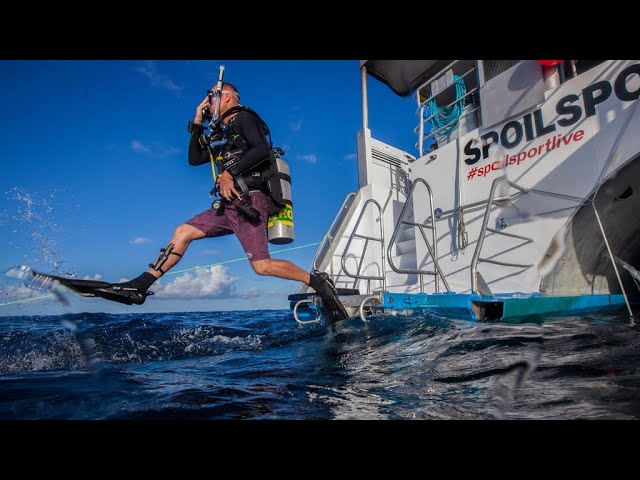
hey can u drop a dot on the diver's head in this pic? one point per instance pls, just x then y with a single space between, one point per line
227 99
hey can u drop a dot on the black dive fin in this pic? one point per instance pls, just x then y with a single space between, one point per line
128 296
95 288
331 303
334 309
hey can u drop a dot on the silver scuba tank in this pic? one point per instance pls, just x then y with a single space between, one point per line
280 225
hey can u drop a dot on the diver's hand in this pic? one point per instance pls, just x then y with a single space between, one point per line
226 186
198 118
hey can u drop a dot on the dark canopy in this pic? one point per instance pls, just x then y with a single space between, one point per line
403 76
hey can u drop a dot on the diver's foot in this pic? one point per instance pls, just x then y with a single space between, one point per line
131 292
121 293
141 282
325 288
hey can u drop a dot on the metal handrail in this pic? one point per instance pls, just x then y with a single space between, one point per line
364 250
420 144
385 205
592 201
481 237
423 104
432 251
491 201
478 204
437 75
305 301
438 130
470 92
472 69
327 236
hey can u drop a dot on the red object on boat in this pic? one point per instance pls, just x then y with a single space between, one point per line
549 63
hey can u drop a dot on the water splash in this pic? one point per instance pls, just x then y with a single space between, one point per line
87 345
38 282
632 271
35 281
30 222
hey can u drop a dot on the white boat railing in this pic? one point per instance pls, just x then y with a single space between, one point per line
433 250
327 245
470 98
476 277
367 239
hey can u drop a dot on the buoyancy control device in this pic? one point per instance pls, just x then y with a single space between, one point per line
277 181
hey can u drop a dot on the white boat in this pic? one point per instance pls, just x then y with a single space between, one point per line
520 198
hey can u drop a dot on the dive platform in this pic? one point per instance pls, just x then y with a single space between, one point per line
509 307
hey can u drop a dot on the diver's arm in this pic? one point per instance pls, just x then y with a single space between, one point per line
249 128
198 155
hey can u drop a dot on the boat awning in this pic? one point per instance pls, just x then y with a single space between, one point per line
403 76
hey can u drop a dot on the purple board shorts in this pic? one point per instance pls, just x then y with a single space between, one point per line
225 221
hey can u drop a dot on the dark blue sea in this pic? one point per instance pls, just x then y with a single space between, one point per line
262 365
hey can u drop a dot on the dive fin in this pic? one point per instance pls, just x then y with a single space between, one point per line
128 296
331 303
95 288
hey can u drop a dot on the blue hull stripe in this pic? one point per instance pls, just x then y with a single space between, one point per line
513 305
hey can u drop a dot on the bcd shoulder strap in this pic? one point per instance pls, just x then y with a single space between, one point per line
243 108
271 176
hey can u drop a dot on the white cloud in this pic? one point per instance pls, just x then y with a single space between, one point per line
11 293
351 156
311 158
212 282
157 149
251 293
139 241
138 146
150 71
296 125
256 292
97 276
168 151
295 118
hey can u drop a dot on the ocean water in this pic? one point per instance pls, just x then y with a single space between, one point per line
262 365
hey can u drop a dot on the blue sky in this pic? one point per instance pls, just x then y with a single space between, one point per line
95 175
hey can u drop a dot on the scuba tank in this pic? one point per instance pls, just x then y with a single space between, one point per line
280 222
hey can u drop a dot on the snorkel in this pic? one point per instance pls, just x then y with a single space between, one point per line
216 138
216 108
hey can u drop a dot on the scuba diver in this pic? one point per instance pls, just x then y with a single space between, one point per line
238 146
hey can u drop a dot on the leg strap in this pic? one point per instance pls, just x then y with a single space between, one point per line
163 257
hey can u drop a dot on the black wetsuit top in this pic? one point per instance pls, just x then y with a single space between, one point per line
255 159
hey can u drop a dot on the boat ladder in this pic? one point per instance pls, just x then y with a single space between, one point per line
367 238
432 247
478 285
